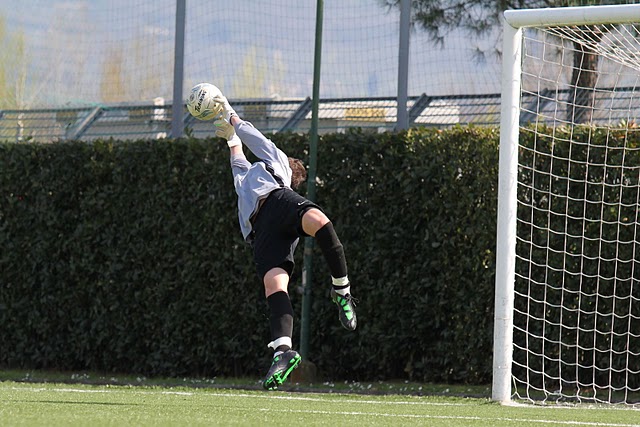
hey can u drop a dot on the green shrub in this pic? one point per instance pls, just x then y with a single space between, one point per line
127 256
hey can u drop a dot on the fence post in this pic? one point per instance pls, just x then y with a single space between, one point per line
177 120
311 187
403 65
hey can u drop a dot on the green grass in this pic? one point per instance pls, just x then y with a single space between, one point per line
376 387
60 404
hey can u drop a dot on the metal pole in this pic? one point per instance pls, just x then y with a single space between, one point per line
507 207
311 187
177 120
403 65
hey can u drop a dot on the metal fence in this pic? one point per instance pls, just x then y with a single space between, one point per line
153 120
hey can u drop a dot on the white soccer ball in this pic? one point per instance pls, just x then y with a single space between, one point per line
201 103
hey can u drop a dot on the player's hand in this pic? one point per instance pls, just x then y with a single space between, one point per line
224 129
227 110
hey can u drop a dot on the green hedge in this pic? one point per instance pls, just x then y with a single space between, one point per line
127 256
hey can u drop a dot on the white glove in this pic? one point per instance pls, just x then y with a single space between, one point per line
227 110
223 129
234 141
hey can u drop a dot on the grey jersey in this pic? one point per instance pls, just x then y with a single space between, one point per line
255 181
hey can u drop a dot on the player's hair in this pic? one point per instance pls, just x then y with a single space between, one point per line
299 173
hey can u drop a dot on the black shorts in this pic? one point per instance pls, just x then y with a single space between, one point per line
277 229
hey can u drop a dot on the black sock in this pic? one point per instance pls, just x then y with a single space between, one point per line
281 319
332 250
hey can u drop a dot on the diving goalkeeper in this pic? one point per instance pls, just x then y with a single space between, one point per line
272 219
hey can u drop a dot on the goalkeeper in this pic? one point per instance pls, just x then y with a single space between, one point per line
272 219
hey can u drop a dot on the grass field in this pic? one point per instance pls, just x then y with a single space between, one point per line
57 404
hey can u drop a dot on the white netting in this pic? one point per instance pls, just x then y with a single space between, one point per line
577 302
58 53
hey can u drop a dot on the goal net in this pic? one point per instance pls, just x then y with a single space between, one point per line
567 322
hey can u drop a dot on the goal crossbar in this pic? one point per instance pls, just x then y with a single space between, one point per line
578 15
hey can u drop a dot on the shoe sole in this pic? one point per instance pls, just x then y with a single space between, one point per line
277 379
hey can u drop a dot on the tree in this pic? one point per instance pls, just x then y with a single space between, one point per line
112 86
482 17
13 65
67 55
150 68
251 75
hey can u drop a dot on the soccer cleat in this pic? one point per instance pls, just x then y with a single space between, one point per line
282 365
346 310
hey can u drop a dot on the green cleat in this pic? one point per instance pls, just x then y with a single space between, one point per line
346 310
282 365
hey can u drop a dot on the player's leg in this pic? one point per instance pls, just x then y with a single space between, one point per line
285 360
273 250
315 223
276 282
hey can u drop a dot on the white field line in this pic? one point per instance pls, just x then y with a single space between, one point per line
258 396
350 401
454 417
323 399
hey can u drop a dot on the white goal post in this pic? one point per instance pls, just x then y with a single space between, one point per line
567 291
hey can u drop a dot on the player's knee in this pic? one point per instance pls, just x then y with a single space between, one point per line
275 280
313 220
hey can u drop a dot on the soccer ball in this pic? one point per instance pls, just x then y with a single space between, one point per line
201 103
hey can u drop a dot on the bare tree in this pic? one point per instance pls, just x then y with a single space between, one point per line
13 66
251 75
112 86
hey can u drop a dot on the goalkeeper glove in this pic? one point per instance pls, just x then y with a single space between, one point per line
227 110
224 129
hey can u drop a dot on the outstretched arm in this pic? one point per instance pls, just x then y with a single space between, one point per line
230 125
239 162
225 129
236 149
232 128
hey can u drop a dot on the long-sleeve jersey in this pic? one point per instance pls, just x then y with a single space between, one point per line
255 181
